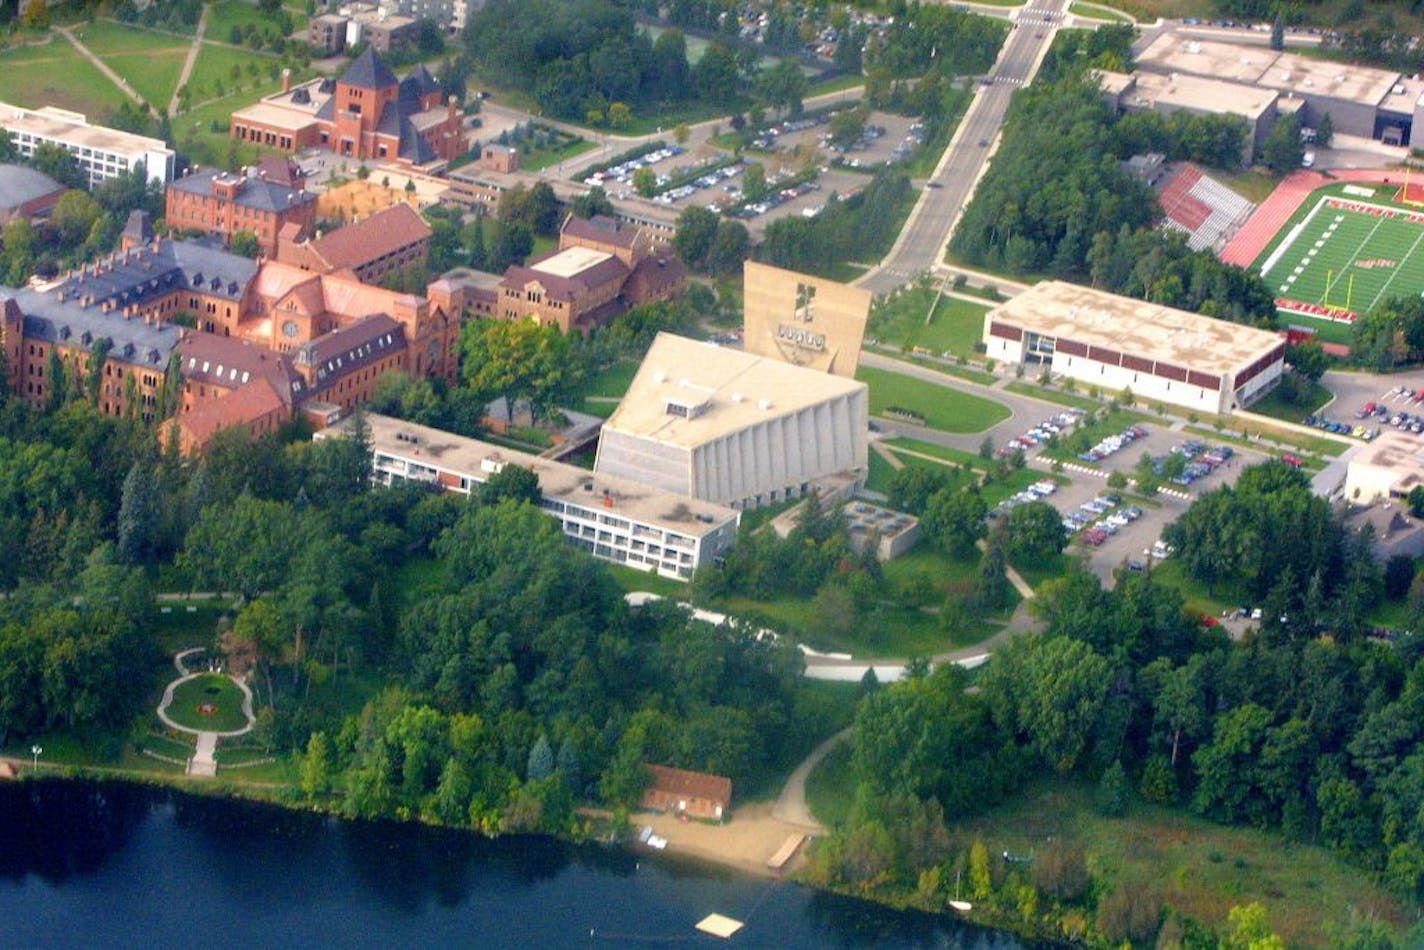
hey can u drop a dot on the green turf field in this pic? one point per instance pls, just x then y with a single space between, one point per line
1351 247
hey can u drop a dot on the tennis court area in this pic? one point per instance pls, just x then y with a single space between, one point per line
1351 247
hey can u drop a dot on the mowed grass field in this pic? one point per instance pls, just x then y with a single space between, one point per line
954 326
55 74
1347 250
149 61
948 410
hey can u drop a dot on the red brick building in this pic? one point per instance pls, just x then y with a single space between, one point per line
265 199
367 115
371 248
680 792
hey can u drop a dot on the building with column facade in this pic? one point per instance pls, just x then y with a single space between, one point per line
725 426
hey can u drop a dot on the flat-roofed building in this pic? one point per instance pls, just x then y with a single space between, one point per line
1118 343
803 320
1360 100
616 519
26 193
718 424
102 152
1196 95
1389 467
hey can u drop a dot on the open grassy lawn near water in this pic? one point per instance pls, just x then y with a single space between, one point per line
948 410
211 702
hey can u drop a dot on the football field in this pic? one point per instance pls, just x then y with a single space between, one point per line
1348 253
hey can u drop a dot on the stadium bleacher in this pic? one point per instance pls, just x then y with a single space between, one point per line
1201 207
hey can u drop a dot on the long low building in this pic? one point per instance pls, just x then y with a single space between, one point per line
1118 343
1389 468
718 424
615 519
102 152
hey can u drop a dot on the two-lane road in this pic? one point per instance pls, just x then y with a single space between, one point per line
922 241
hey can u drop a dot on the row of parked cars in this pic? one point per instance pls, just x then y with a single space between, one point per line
1094 521
1038 491
1041 433
1367 433
1113 444
709 180
1201 461
623 173
766 140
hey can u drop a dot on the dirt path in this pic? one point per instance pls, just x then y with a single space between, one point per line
193 52
102 66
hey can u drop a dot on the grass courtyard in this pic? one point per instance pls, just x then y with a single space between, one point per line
210 702
948 410
954 326
55 74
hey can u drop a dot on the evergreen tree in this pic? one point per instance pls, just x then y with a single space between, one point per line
569 765
1112 794
316 766
138 515
541 760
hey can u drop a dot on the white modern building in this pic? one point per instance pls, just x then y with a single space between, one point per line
102 152
724 426
612 518
1117 343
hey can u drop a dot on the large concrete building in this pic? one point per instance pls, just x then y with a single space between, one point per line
1360 100
616 519
1196 95
1117 343
804 320
102 152
721 425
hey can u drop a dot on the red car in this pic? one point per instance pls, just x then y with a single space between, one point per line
1291 460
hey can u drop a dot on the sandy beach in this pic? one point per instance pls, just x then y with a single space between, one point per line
745 842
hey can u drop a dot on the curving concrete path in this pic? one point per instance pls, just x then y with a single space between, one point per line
791 804
203 764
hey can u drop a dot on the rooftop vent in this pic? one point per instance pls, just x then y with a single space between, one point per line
764 404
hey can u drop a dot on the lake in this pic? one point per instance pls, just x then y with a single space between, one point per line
116 865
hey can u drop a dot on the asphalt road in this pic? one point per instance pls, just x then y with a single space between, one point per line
921 243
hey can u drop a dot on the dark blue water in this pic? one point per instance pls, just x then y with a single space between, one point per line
113 865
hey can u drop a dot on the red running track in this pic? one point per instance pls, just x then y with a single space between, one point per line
1276 210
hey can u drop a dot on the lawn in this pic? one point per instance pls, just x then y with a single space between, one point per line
1201 868
948 410
210 702
188 624
956 456
1101 13
153 74
1277 407
880 472
631 579
545 157
56 75
213 76
226 14
830 788
953 328
1034 391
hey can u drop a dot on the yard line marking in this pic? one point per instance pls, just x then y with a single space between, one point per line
1348 264
1397 268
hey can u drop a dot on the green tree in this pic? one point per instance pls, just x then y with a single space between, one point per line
1113 793
991 580
1282 151
1325 131
138 519
730 249
1250 930
593 202
696 230
244 244
954 519
317 766
541 760
981 880
783 86
1034 533
519 360
754 187
512 482
645 182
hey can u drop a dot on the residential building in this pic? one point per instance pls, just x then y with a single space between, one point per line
366 115
26 193
615 519
265 199
1119 343
326 33
681 792
453 15
722 425
102 152
378 28
370 248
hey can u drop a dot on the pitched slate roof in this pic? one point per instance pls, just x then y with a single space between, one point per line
232 364
369 71
256 193
350 348
372 237
48 318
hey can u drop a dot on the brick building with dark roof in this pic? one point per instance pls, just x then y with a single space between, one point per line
366 114
602 268
371 248
264 200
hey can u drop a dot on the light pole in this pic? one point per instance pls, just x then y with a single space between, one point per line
36 751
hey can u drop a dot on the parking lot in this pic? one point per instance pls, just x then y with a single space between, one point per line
1400 407
886 140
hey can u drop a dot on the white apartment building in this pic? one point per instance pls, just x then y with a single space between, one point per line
612 518
102 152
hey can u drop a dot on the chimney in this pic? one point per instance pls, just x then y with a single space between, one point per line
450 107
286 80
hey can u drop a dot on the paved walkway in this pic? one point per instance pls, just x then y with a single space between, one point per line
193 51
791 803
202 764
102 66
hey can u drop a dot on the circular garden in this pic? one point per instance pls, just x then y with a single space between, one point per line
210 702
